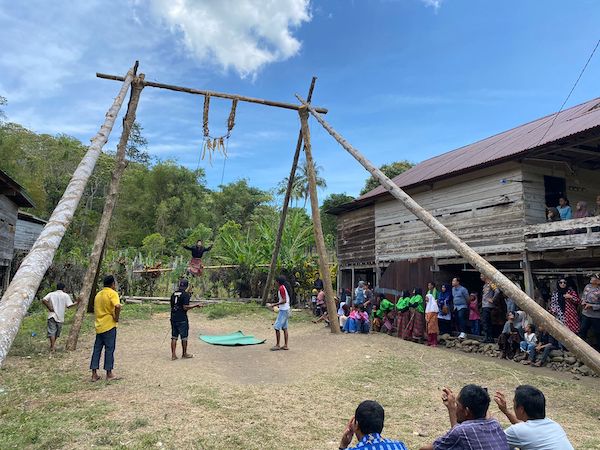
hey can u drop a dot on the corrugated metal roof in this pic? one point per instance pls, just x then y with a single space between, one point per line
500 146
15 191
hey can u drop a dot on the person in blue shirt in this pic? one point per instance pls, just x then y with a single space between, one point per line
367 425
564 209
460 297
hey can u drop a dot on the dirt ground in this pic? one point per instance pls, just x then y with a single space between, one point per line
252 398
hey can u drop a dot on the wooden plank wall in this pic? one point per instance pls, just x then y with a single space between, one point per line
8 222
356 237
582 185
478 207
407 275
26 234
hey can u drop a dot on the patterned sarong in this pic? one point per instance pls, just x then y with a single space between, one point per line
431 318
418 325
195 267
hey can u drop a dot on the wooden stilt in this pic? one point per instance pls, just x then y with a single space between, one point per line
540 316
284 209
352 287
109 206
527 276
316 217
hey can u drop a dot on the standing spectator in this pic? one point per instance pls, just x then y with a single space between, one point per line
431 320
57 303
552 215
563 305
591 309
283 303
342 295
367 425
431 289
470 427
510 339
546 344
319 283
359 294
368 298
564 209
313 302
403 315
528 344
107 308
460 298
531 429
488 304
510 303
445 307
474 313
417 308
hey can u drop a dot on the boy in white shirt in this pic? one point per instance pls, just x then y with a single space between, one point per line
531 429
57 302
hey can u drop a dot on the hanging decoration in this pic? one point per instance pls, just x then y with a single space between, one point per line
216 144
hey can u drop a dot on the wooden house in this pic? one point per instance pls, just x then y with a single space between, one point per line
12 197
493 194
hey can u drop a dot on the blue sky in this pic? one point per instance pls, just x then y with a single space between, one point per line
402 79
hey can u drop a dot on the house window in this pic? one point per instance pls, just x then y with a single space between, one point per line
555 187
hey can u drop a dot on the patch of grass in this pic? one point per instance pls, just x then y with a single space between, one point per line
138 422
141 312
206 397
234 309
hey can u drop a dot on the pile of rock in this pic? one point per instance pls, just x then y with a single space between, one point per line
558 360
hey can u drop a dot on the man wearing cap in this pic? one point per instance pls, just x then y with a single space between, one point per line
180 326
590 316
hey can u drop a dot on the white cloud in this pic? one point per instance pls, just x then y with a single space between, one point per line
435 4
243 35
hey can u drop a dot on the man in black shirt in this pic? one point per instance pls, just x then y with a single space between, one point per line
180 327
195 266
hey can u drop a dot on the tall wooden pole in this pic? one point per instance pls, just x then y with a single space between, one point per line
316 217
19 295
109 206
284 209
540 316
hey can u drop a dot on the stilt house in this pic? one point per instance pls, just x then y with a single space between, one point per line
493 194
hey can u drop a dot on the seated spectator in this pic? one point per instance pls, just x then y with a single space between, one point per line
530 429
545 345
596 211
321 308
367 425
343 314
470 429
384 314
363 324
509 339
528 344
352 323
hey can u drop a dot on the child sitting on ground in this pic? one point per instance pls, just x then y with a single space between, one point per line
363 324
528 344
351 325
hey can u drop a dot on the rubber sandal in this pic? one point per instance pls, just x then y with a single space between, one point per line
188 356
284 348
274 349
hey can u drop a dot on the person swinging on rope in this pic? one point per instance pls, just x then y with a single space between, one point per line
195 266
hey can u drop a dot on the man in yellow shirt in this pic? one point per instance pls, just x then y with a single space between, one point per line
107 308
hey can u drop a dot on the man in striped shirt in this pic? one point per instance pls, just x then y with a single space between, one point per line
471 430
367 425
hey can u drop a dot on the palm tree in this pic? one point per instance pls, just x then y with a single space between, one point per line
303 178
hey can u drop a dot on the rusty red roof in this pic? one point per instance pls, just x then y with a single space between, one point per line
503 146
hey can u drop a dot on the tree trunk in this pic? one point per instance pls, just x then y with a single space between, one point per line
109 206
316 217
286 201
19 295
574 343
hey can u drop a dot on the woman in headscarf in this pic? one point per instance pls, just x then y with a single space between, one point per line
403 315
563 305
445 309
417 308
581 210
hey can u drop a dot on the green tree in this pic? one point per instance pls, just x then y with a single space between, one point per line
154 244
390 170
3 102
329 221
237 202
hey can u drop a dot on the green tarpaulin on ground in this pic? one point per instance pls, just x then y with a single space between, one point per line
237 338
